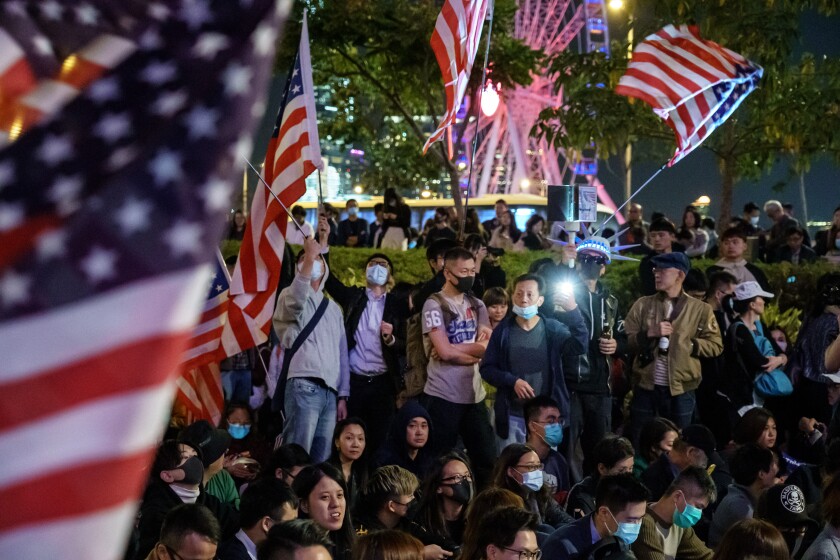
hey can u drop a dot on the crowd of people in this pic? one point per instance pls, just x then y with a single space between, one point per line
473 418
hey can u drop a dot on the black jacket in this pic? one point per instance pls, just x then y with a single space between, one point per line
395 451
353 300
232 549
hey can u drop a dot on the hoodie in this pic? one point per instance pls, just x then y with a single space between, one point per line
395 450
323 354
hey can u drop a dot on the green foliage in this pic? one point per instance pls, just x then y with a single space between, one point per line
789 321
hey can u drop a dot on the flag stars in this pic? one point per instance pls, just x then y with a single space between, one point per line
209 45
106 89
7 174
216 194
99 265
64 193
51 10
11 216
169 103
55 149
195 13
243 147
158 73
264 39
121 157
112 127
150 40
133 216
51 245
15 8
184 238
87 14
14 288
42 45
165 167
237 79
201 122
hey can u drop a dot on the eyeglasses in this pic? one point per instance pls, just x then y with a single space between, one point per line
379 262
526 554
407 504
456 478
591 259
530 468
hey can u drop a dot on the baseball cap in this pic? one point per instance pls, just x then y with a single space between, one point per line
784 505
833 377
749 290
210 442
699 436
671 260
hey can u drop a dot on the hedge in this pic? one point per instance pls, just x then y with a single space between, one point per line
794 285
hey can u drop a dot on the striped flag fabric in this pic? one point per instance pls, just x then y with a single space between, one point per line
692 83
110 211
455 44
293 153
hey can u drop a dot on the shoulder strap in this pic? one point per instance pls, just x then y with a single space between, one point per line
288 354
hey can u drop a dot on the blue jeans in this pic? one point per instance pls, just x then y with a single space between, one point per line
647 405
236 384
310 417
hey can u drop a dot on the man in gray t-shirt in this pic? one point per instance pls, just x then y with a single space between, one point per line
456 330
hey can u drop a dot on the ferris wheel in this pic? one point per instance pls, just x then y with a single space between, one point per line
508 159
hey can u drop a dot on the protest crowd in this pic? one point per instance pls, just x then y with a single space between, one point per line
475 416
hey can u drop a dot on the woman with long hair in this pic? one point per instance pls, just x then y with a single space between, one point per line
396 221
322 493
519 470
692 222
348 454
535 239
657 437
507 235
446 492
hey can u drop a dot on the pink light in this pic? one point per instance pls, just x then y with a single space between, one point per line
356 152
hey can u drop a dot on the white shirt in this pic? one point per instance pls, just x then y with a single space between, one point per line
250 547
293 235
366 356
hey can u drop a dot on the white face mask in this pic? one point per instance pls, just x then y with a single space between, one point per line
317 270
377 275
352 210
754 220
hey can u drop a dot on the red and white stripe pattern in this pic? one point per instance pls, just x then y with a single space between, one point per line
294 152
455 44
65 393
199 394
692 83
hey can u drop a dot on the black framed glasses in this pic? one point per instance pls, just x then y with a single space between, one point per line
526 554
591 259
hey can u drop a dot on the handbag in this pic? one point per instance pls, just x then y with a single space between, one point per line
773 384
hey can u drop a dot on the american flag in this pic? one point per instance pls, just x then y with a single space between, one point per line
110 210
293 153
455 44
694 84
199 394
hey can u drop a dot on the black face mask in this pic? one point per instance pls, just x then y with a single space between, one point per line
461 492
193 471
464 283
411 510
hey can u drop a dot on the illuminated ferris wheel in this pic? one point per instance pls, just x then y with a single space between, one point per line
508 159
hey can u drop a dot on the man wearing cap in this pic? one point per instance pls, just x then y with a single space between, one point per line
210 445
373 321
663 235
695 447
783 506
669 332
733 245
587 375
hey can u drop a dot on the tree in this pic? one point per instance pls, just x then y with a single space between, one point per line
794 114
376 58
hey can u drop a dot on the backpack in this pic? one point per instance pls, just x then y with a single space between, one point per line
416 373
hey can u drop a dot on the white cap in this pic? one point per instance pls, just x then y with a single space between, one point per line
749 290
833 377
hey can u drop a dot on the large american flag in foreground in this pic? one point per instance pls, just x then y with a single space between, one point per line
294 152
110 211
455 44
692 83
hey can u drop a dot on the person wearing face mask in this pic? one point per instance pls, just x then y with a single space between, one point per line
314 380
265 504
446 491
248 451
353 230
666 530
176 479
519 470
525 353
544 435
210 444
441 228
588 373
750 218
374 323
456 331
620 503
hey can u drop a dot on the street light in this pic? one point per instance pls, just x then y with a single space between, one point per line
616 5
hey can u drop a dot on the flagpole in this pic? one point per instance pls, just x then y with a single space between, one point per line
629 198
283 206
477 118
320 195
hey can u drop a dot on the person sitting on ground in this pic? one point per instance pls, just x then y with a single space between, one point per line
827 545
519 470
754 469
348 455
405 445
620 503
300 539
265 503
752 538
322 494
544 433
386 500
489 499
286 462
188 531
246 443
387 545
695 447
657 438
612 455
210 445
505 533
784 506
667 525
